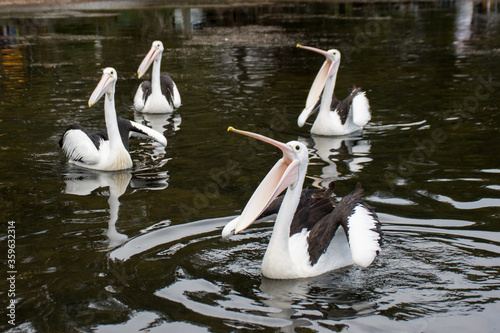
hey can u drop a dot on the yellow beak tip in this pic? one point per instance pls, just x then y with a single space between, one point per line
230 128
298 45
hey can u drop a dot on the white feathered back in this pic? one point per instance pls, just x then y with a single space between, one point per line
361 113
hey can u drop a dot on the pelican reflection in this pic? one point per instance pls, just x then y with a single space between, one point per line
84 182
160 122
349 153
304 300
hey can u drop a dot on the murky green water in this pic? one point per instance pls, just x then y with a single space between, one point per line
141 249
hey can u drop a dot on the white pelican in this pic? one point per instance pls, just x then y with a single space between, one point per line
335 117
161 94
306 239
108 149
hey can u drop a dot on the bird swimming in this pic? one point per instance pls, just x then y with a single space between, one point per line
312 235
108 149
335 117
160 95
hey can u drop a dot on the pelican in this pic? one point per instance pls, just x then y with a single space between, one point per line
161 94
108 149
335 117
306 240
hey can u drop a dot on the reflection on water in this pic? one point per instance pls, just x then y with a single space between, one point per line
188 292
471 19
11 58
160 122
166 123
85 182
463 22
418 255
350 151
141 249
187 19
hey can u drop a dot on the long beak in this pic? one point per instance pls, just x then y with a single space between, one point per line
284 174
147 61
102 87
306 113
317 86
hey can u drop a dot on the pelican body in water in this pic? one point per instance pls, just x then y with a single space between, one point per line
335 117
160 95
312 234
108 149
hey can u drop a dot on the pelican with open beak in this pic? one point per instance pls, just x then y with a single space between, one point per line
108 149
306 239
335 117
161 94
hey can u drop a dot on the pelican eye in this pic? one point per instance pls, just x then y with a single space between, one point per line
297 148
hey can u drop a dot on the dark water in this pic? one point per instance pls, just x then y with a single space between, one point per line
141 250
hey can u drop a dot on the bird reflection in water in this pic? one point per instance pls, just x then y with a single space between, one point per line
166 123
84 182
349 153
304 300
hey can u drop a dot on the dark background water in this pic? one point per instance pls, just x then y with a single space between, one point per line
141 249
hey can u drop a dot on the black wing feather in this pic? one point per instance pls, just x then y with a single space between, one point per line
344 106
146 90
318 213
324 230
167 87
314 204
124 126
333 105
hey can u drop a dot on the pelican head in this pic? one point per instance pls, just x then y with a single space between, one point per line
329 68
287 172
105 86
154 54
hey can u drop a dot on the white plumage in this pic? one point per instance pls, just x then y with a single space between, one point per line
360 109
308 237
78 147
364 242
161 94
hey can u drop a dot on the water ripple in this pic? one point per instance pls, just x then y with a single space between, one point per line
427 266
466 205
